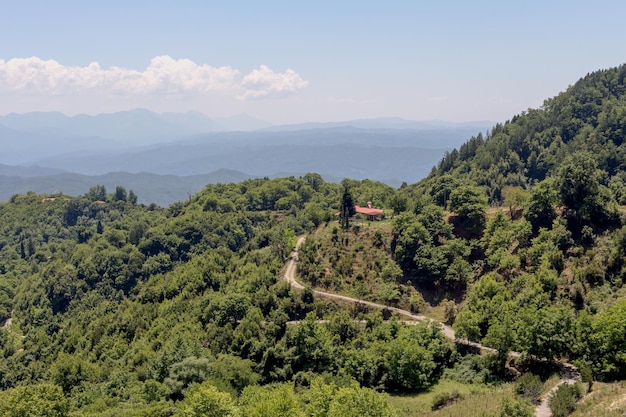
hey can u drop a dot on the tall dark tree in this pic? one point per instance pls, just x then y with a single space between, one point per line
132 197
120 193
347 207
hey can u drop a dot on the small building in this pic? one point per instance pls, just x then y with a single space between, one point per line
369 211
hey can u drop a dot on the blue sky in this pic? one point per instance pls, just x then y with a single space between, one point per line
290 61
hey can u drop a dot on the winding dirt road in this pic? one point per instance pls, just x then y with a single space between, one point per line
569 372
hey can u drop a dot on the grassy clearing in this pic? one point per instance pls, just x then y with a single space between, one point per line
606 400
477 400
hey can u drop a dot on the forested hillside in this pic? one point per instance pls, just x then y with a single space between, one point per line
518 239
589 116
546 273
118 306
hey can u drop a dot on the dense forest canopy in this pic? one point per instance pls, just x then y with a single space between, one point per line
518 239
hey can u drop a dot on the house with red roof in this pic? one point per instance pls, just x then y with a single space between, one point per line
369 211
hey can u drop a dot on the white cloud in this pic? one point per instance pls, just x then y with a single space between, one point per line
264 82
164 75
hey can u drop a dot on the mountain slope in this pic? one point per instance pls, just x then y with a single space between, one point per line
588 116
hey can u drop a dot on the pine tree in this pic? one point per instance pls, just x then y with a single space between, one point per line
347 207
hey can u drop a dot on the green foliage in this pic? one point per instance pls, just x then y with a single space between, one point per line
563 401
443 399
514 197
189 371
278 401
578 182
358 402
515 408
43 400
470 369
69 372
469 203
206 401
410 366
603 341
548 332
529 386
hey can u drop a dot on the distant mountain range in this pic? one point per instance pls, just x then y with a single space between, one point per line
166 157
150 188
135 125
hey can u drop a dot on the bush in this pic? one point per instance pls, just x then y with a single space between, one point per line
445 398
516 409
529 386
449 311
563 401
471 369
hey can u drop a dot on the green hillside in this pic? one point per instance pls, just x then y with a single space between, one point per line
589 116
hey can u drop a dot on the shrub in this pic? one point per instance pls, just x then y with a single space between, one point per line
563 401
529 386
445 398
449 311
516 409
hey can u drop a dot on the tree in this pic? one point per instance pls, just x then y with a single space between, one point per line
97 193
577 180
470 204
442 187
277 401
539 209
548 332
45 400
399 202
132 197
69 372
359 402
189 371
410 365
589 202
314 180
347 207
206 401
514 198
604 344
120 194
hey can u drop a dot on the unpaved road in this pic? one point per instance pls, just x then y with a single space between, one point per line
569 372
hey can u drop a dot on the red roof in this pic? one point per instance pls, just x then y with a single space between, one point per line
368 211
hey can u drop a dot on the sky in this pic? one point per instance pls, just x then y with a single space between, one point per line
303 61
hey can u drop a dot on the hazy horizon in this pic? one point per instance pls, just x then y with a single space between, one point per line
236 115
